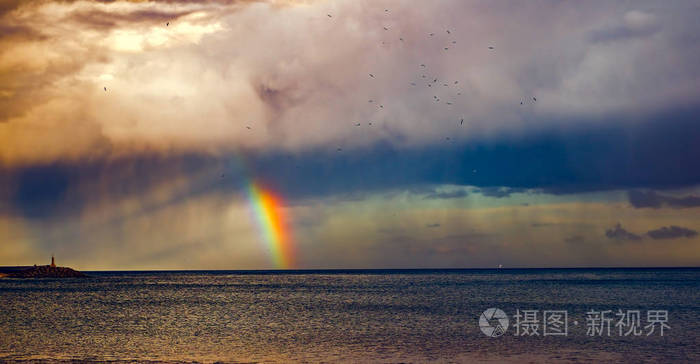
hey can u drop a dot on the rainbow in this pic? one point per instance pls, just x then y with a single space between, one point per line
271 219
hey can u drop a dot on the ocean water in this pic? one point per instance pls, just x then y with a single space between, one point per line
343 316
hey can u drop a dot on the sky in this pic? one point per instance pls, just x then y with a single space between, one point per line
228 134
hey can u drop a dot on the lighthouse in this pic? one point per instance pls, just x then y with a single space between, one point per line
53 264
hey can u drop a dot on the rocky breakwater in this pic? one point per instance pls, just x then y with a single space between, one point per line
45 271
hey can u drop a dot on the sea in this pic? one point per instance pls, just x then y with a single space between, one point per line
358 316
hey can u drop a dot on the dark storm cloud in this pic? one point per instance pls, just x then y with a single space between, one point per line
587 160
619 233
65 189
672 232
499 192
436 195
652 199
605 158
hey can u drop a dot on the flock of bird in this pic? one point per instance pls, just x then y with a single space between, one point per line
423 76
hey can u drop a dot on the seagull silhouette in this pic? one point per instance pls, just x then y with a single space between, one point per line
371 75
167 24
105 88
329 15
461 122
490 47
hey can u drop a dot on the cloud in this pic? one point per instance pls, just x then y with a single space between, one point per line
651 199
635 24
293 69
440 195
618 233
499 192
672 232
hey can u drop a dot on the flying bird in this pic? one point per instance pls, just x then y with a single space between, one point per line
413 83
329 15
371 75
448 32
339 149
370 101
247 127
456 82
446 48
401 39
490 47
449 103
461 122
358 124
385 28
105 88
534 99
422 65
382 106
431 34
167 24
